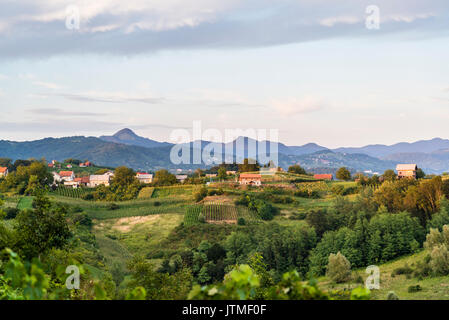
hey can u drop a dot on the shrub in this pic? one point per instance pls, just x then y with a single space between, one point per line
414 288
338 268
83 219
156 203
439 260
200 194
241 221
87 197
392 296
113 206
11 213
402 270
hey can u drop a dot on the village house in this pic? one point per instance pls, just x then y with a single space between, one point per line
231 173
69 166
63 175
211 175
253 179
82 181
144 177
406 171
85 164
323 177
96 180
3 172
181 177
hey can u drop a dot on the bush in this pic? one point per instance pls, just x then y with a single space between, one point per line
83 219
402 270
414 288
241 221
11 213
156 203
200 194
439 260
113 206
338 268
392 296
88 196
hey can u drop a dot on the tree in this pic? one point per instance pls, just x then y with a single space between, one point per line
338 268
123 176
41 229
222 173
164 178
343 174
420 173
296 169
389 175
249 165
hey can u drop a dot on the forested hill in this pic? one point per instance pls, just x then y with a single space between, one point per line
96 150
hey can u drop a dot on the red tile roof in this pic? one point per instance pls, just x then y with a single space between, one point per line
83 179
66 173
250 176
323 176
3 169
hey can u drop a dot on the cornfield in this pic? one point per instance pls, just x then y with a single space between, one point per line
71 193
146 193
218 213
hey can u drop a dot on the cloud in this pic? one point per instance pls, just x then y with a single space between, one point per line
48 85
60 112
295 106
38 28
111 97
68 126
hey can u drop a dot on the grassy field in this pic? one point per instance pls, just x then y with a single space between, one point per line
25 203
433 288
120 239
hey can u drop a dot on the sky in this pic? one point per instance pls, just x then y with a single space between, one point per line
316 70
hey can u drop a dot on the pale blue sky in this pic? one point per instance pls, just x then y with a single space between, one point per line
310 69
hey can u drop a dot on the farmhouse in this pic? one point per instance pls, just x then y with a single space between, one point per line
64 175
250 179
181 177
406 171
83 181
323 177
96 180
144 177
3 171
85 164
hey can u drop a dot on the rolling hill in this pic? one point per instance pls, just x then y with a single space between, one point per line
127 148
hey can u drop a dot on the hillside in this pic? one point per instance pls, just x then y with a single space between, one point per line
128 137
96 150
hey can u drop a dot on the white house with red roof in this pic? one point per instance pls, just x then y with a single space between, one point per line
144 177
3 172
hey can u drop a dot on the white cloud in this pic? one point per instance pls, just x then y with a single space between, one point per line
48 85
292 106
331 21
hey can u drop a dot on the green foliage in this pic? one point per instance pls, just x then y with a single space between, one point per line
338 268
296 169
414 288
200 193
343 174
164 178
392 296
41 229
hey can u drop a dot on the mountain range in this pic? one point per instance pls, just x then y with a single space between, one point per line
127 148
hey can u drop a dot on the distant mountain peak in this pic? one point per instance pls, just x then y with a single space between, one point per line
125 134
129 137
